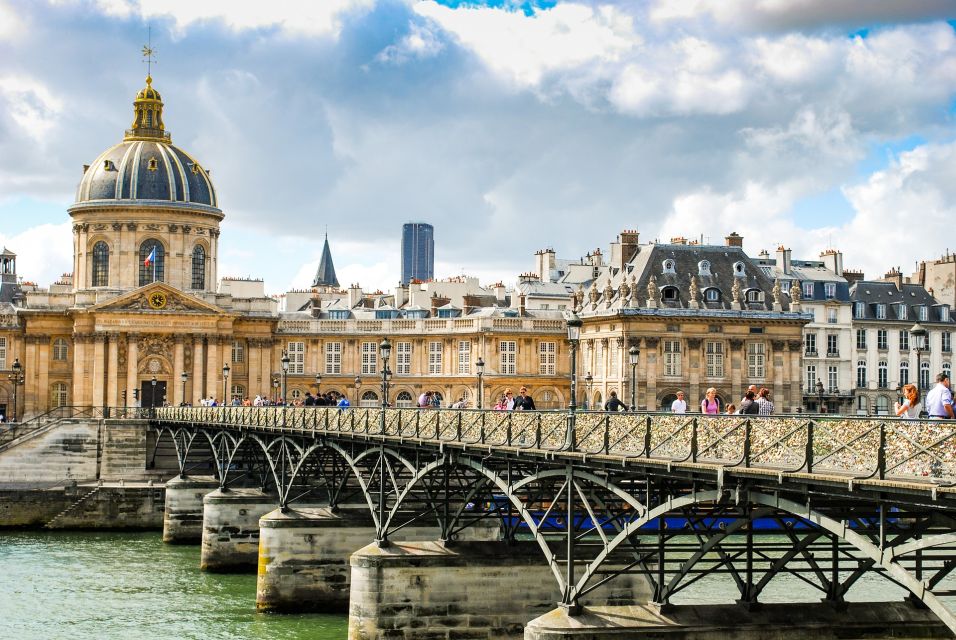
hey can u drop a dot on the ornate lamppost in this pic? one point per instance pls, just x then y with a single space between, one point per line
480 366
385 348
318 383
152 395
588 383
358 384
183 377
918 338
633 354
225 383
275 391
574 337
16 378
285 377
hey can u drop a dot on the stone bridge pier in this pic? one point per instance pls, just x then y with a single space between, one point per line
183 513
230 535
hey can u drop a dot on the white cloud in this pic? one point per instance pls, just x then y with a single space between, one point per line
44 252
12 25
420 42
292 17
30 104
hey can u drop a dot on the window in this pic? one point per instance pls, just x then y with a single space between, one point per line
671 357
668 266
833 345
509 352
339 314
881 341
548 400
152 262
238 351
101 265
58 395
199 268
882 405
924 375
881 311
369 398
296 357
832 315
811 377
3 352
404 398
756 360
808 290
810 344
901 311
859 309
754 295
546 358
882 375
948 370
833 378
739 269
861 338
464 357
403 358
703 268
61 350
714 353
333 357
944 314
369 357
669 294
861 374
712 295
921 310
904 373
829 290
946 339
861 405
599 358
904 340
238 393
785 286
434 357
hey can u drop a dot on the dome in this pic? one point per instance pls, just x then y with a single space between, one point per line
146 170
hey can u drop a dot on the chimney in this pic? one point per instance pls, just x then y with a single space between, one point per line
469 303
734 240
544 263
521 304
764 254
852 276
679 240
783 259
436 302
500 293
528 277
355 295
401 295
833 260
895 276
628 240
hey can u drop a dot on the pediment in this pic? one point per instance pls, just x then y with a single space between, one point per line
158 297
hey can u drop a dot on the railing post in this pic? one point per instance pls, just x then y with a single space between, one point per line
508 432
607 435
458 434
481 426
809 453
881 453
647 439
748 432
693 441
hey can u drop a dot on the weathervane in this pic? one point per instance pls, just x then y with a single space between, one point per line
149 52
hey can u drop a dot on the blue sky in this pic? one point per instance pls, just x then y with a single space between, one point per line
510 126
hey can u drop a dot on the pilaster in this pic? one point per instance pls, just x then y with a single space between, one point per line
112 386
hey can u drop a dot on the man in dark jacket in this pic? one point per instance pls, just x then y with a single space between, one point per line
524 402
614 404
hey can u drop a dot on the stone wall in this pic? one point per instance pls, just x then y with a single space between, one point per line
84 506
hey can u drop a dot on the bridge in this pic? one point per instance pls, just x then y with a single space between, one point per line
656 502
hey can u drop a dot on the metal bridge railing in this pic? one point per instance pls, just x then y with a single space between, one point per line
865 447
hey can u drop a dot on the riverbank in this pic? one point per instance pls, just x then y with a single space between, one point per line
91 505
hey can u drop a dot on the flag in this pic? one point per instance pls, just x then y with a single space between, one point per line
150 258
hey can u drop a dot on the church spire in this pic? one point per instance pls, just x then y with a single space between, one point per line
325 274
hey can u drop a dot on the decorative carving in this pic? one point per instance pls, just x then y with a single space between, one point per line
173 228
795 291
200 231
608 292
632 301
776 291
131 226
152 227
117 226
214 233
777 344
624 291
593 295
694 289
651 342
187 228
652 290
736 344
155 344
99 227
735 291
694 343
155 301
794 345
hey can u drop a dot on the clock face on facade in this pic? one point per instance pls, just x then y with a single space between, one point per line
157 300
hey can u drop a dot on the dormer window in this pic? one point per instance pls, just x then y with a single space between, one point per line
739 270
669 294
808 290
712 294
829 290
859 309
339 314
785 286
703 268
153 165
754 295
881 311
944 314
669 266
921 310
108 165
901 312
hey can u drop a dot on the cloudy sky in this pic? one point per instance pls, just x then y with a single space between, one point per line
510 126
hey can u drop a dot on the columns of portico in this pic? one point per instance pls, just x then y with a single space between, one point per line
695 388
265 365
738 379
213 373
179 360
779 366
99 368
132 364
43 375
651 376
253 367
197 369
794 391
80 342
112 385
29 388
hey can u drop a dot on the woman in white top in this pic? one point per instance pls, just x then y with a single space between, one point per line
911 406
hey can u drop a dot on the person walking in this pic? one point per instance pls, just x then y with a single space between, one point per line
614 404
910 406
764 405
524 402
710 404
679 405
939 400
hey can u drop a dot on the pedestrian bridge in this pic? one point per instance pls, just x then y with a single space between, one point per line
604 497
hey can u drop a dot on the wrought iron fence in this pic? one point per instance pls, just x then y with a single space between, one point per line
855 447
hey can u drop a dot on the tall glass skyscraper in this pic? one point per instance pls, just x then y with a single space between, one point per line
418 251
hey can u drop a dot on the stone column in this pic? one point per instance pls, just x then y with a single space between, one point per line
651 369
99 368
252 366
78 397
28 401
197 369
265 361
695 389
230 529
132 364
183 514
112 386
179 365
738 377
213 367
795 386
778 359
43 376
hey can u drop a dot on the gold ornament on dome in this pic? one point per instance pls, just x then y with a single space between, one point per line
157 300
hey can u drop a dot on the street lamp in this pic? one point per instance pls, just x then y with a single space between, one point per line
318 382
275 391
480 366
918 338
358 383
574 336
17 378
184 377
285 377
633 354
225 383
385 348
152 395
588 383
820 396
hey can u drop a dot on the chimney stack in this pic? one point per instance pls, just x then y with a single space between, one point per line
783 259
734 240
833 260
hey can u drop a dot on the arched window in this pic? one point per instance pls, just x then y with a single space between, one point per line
703 268
369 399
296 394
668 266
547 400
61 350
754 295
882 374
199 268
924 375
712 294
101 265
669 294
152 262
404 400
904 373
58 395
861 374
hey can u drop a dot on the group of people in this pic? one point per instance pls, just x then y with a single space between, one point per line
939 401
755 402
509 402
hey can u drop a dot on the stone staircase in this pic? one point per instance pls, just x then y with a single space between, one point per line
52 524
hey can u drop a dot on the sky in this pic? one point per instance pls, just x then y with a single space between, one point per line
510 126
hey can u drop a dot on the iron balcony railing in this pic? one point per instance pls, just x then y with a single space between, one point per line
858 447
